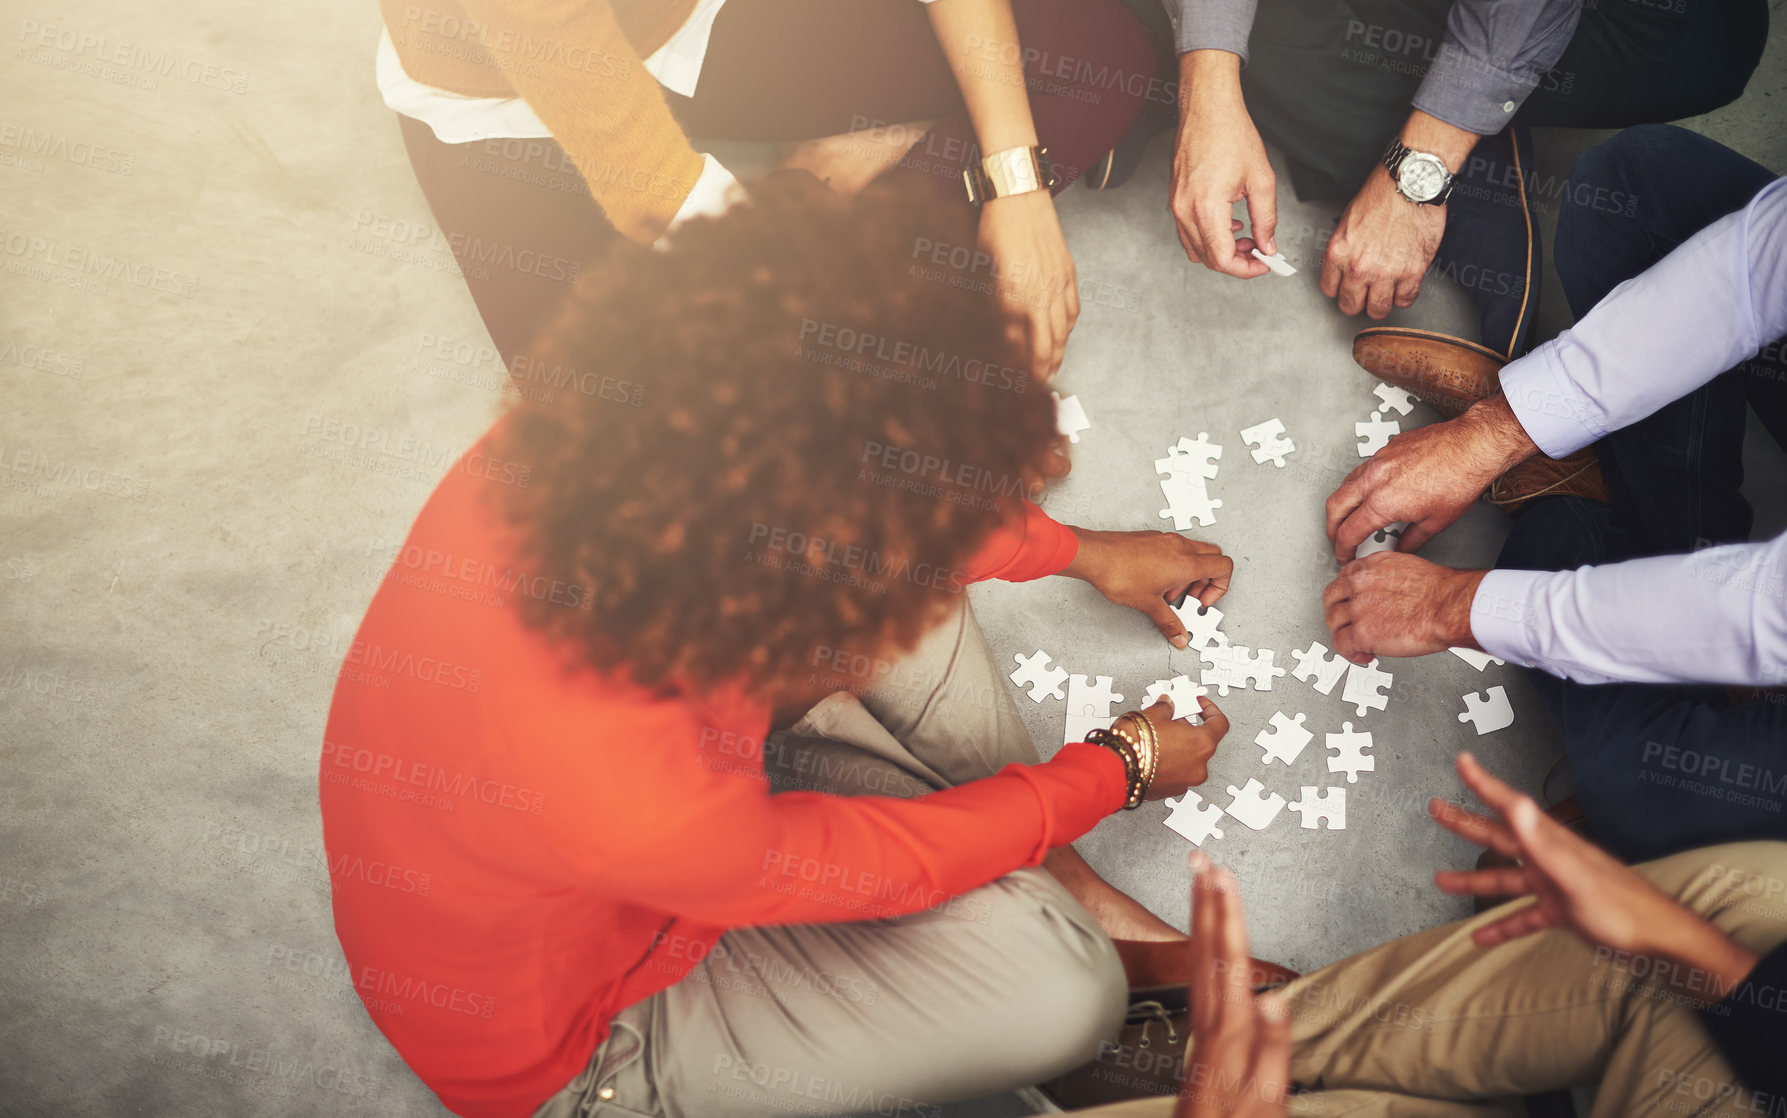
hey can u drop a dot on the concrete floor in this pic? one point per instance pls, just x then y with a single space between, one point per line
184 564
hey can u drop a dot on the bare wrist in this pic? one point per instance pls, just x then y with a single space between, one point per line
1452 613
1209 78
1498 440
1088 557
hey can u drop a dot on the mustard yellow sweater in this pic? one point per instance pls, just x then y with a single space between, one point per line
578 64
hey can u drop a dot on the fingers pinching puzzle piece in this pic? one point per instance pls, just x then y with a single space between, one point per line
1251 808
1329 807
1386 538
1349 753
1365 685
1203 624
1088 707
1394 399
1035 672
1477 660
1285 740
1192 819
1315 666
1269 442
1181 692
1374 434
1490 710
1275 262
1070 416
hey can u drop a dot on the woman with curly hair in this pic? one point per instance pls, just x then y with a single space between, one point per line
732 555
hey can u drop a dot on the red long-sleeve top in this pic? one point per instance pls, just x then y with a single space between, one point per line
518 851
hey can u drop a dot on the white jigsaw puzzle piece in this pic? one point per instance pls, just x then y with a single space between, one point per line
1374 434
1316 667
1269 442
1035 673
1275 262
1088 707
1349 753
1394 399
1183 694
1188 467
1227 667
1070 416
1329 807
1490 710
1258 669
1477 660
1365 684
1285 740
1384 539
1251 808
1192 819
1203 624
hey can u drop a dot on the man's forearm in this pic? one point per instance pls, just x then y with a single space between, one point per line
1428 133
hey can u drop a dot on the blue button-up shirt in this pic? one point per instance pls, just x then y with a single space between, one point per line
1493 53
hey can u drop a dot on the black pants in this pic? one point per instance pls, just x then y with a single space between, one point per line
1660 768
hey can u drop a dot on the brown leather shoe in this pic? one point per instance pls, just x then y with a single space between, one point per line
1579 475
1448 374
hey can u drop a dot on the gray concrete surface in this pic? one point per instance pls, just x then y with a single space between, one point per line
184 555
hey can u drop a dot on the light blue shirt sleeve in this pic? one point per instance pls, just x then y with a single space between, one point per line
1492 57
1718 615
1212 24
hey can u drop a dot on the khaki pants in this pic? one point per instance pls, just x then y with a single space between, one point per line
1433 1025
1004 986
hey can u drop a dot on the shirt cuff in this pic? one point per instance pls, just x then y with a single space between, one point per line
1207 25
1500 617
1469 93
1545 401
713 194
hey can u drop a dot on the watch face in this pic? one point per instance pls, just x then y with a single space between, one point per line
1421 177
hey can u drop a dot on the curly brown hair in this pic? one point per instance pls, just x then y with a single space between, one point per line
800 433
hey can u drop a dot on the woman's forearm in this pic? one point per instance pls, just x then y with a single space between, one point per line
980 39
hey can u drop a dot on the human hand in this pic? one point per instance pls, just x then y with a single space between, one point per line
1144 570
1393 604
1380 251
1239 1065
1217 161
1427 477
1183 757
1575 885
1036 277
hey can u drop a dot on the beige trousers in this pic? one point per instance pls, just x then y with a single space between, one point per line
1433 1025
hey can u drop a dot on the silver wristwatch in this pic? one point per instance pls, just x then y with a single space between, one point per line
1420 176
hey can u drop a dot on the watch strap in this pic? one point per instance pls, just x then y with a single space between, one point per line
1008 172
1395 153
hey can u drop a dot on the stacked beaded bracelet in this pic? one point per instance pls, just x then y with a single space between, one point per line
1138 730
1132 765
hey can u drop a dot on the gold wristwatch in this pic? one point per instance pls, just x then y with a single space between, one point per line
1012 171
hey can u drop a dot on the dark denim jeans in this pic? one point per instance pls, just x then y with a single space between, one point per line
1660 768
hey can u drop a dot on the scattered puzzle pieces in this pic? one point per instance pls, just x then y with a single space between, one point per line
1251 808
1183 694
1374 434
1035 673
1329 807
1269 442
1285 740
1365 685
1089 706
1316 667
1490 711
1477 660
1349 753
1070 416
1202 624
1192 819
1395 399
1188 467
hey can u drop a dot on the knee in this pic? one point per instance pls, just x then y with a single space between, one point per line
1603 235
